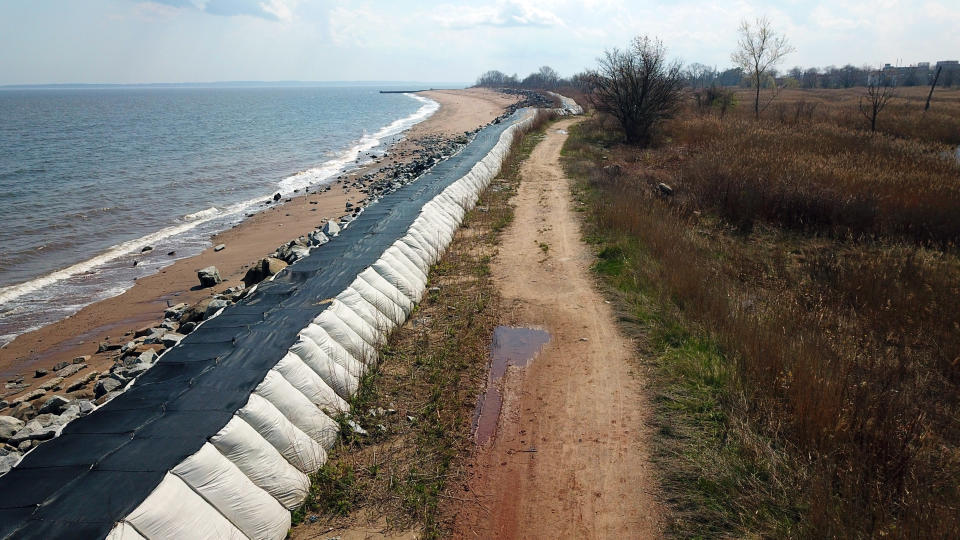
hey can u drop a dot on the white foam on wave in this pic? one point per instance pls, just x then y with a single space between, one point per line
212 211
336 165
13 292
193 220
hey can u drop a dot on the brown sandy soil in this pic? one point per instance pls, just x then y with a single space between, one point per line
144 303
570 455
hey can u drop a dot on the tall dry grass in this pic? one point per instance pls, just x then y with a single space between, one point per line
822 259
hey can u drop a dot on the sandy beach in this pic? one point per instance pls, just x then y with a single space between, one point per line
114 320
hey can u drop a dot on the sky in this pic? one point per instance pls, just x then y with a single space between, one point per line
138 41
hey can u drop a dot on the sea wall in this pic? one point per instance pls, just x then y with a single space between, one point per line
218 438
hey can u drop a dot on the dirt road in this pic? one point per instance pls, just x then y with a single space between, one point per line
569 458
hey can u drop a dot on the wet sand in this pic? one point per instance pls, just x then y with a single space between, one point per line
115 319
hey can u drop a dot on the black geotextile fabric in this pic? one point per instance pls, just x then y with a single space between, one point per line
104 465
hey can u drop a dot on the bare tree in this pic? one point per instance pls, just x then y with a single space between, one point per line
760 49
879 92
638 87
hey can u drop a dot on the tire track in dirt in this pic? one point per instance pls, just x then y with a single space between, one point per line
570 455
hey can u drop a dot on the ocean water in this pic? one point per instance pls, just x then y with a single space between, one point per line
88 177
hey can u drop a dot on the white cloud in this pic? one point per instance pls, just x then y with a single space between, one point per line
504 13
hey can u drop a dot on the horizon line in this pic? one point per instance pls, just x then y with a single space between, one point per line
236 82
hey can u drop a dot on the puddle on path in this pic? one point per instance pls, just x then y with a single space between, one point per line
511 346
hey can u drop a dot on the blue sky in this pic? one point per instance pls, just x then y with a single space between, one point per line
135 41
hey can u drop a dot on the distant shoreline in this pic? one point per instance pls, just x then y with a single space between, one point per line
238 84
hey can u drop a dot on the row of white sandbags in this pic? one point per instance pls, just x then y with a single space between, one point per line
245 479
567 105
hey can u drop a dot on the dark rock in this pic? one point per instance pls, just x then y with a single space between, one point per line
276 197
263 269
219 247
104 347
215 305
187 327
81 359
34 431
146 330
292 253
107 385
664 189
39 373
175 311
54 405
209 276
317 238
146 249
194 313
60 365
171 253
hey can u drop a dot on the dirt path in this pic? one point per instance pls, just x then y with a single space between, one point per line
569 459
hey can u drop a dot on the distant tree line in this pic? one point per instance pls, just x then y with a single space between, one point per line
699 75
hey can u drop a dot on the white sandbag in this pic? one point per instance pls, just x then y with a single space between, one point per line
413 256
373 278
396 275
331 372
367 332
413 269
434 230
226 488
261 462
293 444
420 230
124 531
444 221
331 346
343 334
367 311
173 511
383 304
298 409
424 251
304 379
448 210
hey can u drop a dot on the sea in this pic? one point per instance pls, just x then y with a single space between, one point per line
91 176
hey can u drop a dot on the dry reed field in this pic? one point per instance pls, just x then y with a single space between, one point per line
800 290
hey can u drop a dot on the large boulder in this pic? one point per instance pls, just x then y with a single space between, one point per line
194 313
106 385
209 276
175 311
170 339
215 305
9 426
292 252
317 238
54 405
331 229
263 269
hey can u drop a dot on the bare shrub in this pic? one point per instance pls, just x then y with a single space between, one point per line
639 87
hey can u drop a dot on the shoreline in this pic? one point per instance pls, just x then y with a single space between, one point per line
115 319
